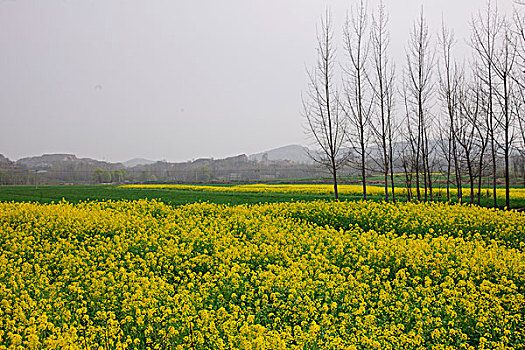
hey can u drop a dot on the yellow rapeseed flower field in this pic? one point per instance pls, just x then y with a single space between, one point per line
317 275
349 190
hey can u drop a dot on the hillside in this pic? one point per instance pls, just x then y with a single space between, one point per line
47 161
137 161
294 153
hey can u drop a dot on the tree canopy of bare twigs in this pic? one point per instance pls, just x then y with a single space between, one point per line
382 82
476 132
450 77
420 89
325 123
357 102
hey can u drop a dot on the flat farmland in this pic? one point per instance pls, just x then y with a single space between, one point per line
48 194
144 274
229 194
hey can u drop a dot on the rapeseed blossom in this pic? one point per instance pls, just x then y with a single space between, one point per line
345 190
316 275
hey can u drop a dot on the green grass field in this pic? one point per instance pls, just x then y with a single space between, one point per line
48 194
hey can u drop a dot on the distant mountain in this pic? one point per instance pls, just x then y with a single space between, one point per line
137 161
4 160
47 161
294 153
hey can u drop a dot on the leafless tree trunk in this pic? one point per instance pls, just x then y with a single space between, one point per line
410 150
485 30
419 64
449 81
483 138
479 122
503 67
429 165
392 128
445 146
406 162
466 128
358 102
382 83
519 104
326 125
519 79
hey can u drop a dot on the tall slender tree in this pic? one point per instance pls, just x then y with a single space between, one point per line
357 103
469 109
449 85
504 67
382 83
486 27
420 87
325 122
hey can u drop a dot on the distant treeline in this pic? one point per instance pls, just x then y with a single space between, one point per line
202 170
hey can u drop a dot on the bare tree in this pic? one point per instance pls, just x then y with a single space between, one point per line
419 68
495 43
382 83
519 104
519 28
326 125
449 79
357 103
469 110
445 146
485 30
503 67
479 120
409 150
519 79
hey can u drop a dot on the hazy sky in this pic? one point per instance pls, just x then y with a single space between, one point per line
172 80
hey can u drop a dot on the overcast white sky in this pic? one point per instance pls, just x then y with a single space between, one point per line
171 79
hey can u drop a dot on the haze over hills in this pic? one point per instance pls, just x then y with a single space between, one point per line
137 161
46 161
294 153
288 162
